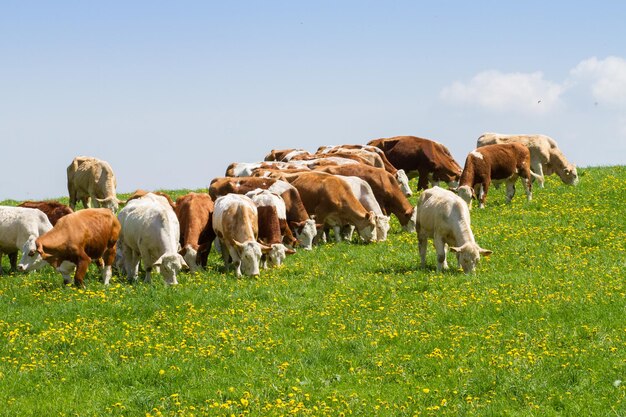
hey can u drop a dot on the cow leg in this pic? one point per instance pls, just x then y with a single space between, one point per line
422 182
81 269
422 244
481 194
108 259
337 231
510 189
347 231
13 262
537 168
131 263
1 273
440 248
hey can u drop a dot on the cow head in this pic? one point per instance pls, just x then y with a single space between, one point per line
466 193
112 203
403 180
189 254
305 232
278 253
568 174
249 253
170 264
31 258
368 232
412 222
382 227
468 255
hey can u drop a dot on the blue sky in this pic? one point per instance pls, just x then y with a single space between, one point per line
169 93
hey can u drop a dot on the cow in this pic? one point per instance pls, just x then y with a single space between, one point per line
489 163
264 197
245 169
303 227
385 189
76 240
91 181
271 221
363 192
332 202
194 212
140 193
545 156
400 175
19 228
235 221
284 155
429 160
150 234
445 217
52 209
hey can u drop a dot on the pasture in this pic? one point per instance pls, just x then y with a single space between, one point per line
346 329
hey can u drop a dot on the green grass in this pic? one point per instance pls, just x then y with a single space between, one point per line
348 329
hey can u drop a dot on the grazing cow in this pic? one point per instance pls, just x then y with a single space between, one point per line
235 221
140 193
262 198
363 192
400 175
194 212
545 155
91 180
271 215
444 217
332 202
385 189
245 169
77 239
430 160
19 227
150 234
53 209
284 155
303 227
489 163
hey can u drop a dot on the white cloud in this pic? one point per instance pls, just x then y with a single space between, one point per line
493 90
606 79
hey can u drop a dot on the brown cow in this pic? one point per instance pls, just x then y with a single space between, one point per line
194 212
331 200
503 162
303 227
385 188
429 160
77 238
52 209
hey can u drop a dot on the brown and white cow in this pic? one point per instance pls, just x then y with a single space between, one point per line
245 169
272 221
303 227
332 202
444 217
235 222
545 156
400 175
77 239
91 181
194 212
284 155
140 193
385 189
52 209
505 162
429 160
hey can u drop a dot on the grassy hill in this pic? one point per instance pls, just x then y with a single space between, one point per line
347 329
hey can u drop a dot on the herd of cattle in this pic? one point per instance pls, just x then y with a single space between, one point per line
259 212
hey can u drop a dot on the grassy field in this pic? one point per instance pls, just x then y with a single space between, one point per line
347 329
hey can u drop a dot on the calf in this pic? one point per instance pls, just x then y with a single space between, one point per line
19 227
194 212
77 238
235 221
303 227
150 233
53 209
504 162
333 203
444 217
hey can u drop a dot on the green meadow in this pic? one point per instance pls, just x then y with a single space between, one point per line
346 329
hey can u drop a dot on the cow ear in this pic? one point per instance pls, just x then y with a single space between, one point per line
265 248
319 226
238 244
289 251
484 252
158 262
294 224
182 262
455 249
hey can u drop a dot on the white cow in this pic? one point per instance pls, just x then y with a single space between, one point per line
19 228
363 192
92 181
150 233
265 198
235 221
445 217
545 155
